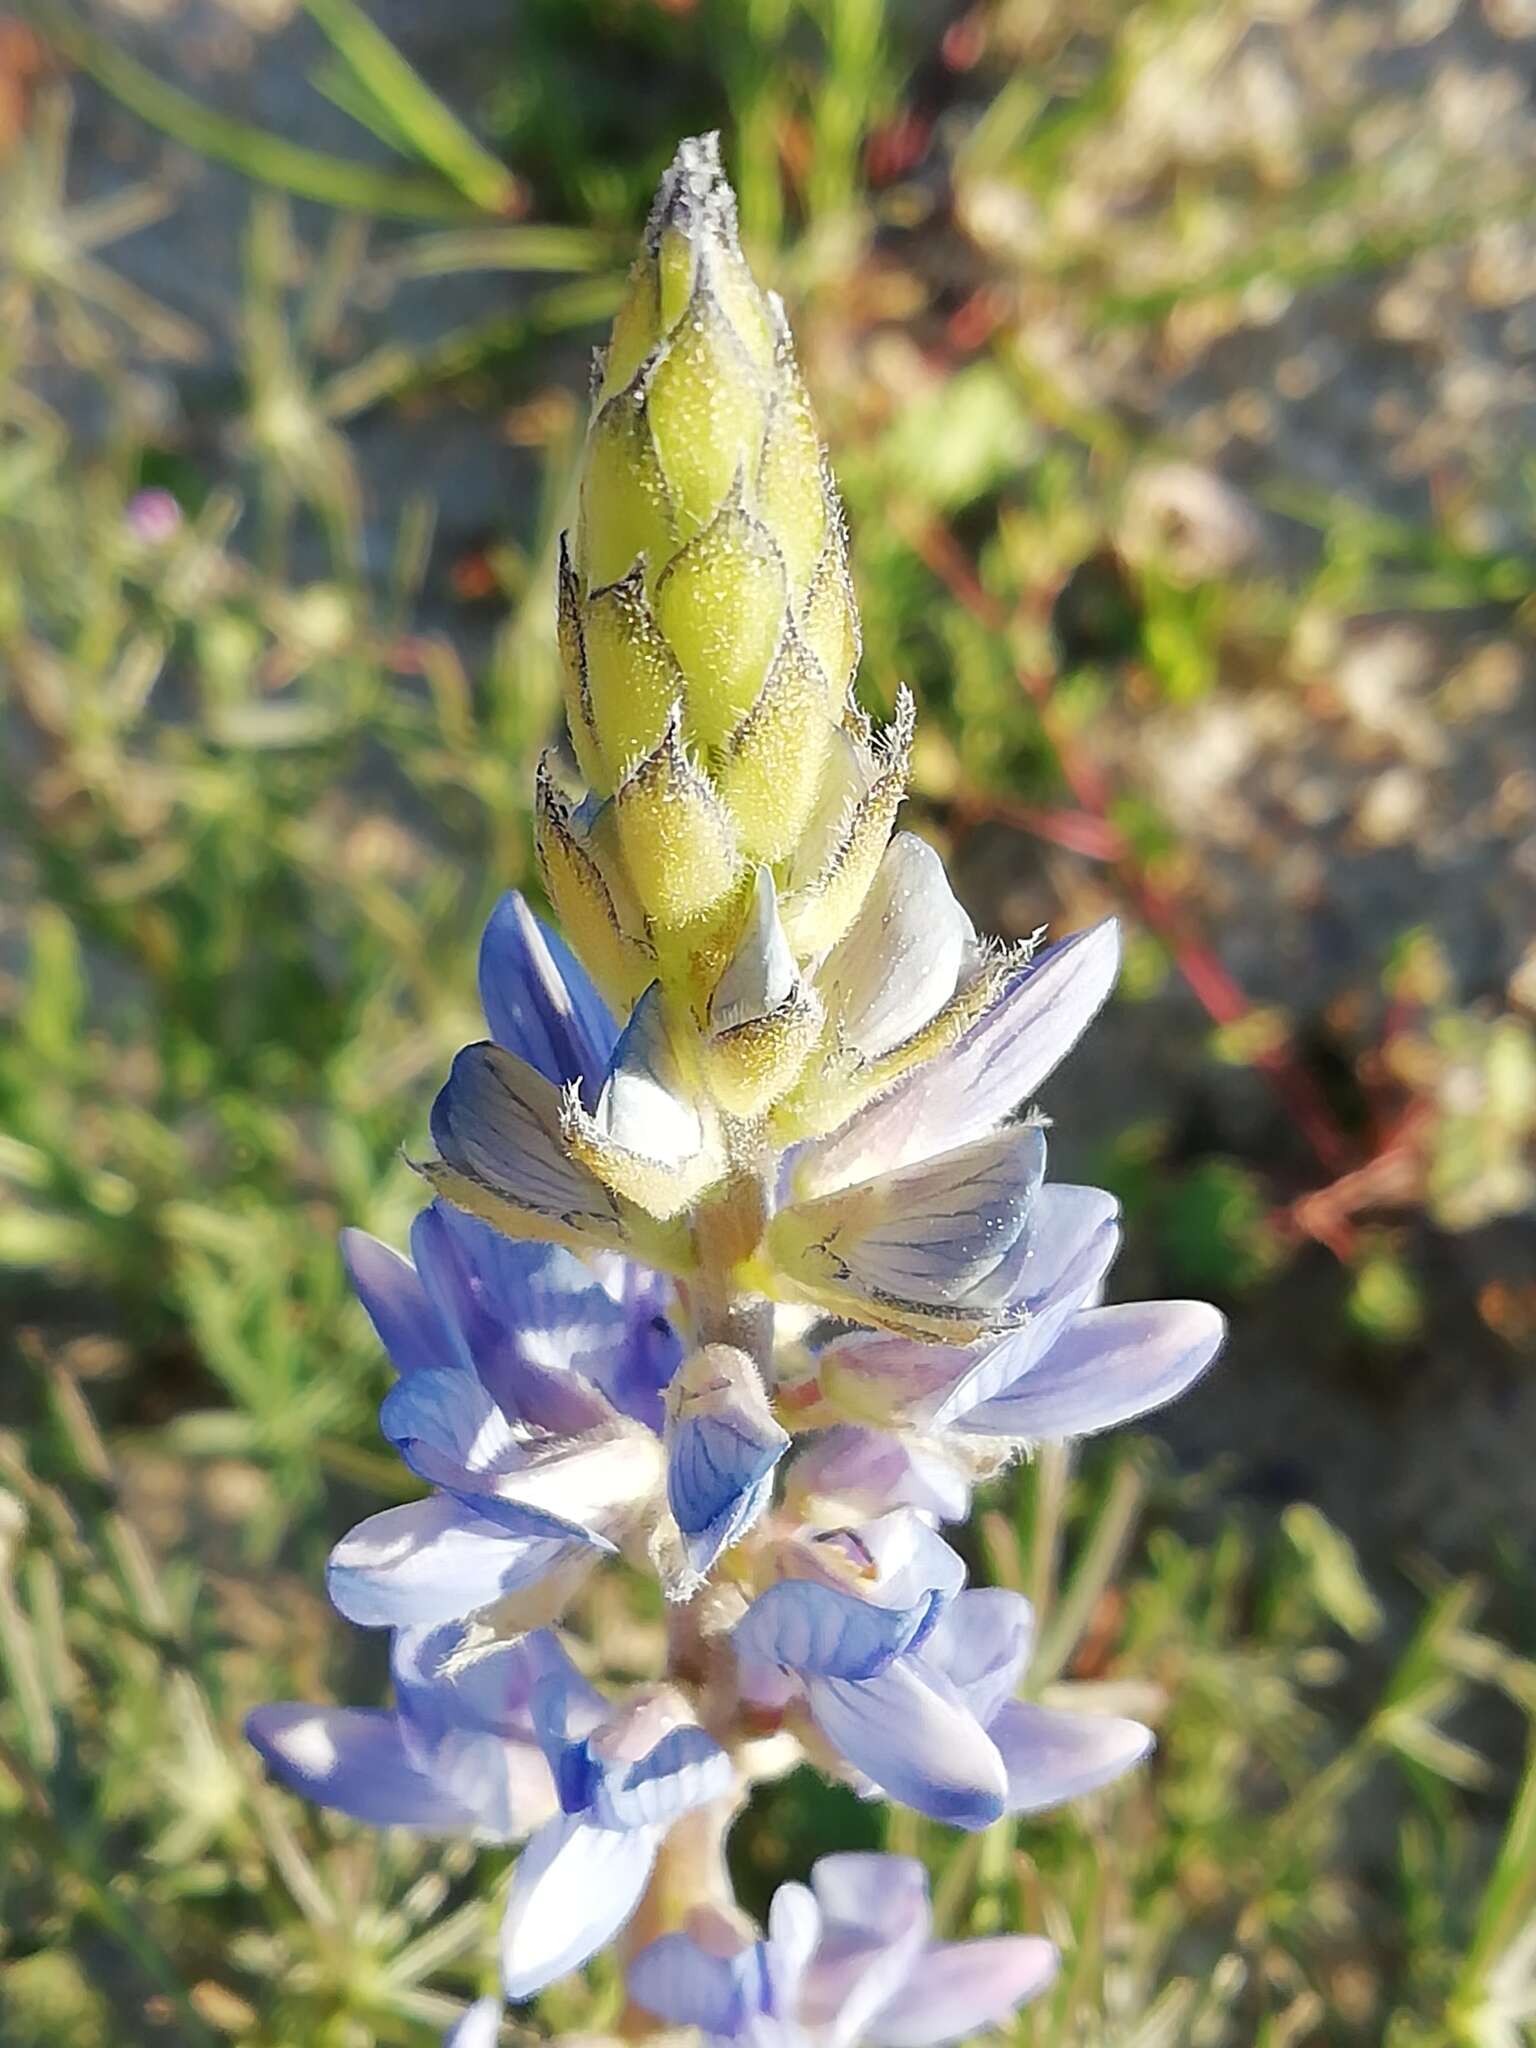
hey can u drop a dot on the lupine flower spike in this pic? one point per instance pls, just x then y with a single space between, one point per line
742 1265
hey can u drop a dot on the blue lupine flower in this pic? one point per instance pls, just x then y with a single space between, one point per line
1073 1237
847 1626
909 1681
1043 1006
1070 1370
533 1386
504 1740
926 1213
920 1213
849 1472
458 1753
522 1118
539 1000
849 1960
521 1375
622 1778
722 1447
546 1406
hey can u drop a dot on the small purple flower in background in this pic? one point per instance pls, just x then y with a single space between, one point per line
851 1959
743 1268
153 517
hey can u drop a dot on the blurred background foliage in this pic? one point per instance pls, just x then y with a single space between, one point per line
1177 360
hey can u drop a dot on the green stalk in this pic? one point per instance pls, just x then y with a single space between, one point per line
1053 1471
1100 1563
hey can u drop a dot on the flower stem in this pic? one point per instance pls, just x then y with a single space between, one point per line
691 1869
727 1228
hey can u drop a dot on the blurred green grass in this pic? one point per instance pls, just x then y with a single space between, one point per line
268 764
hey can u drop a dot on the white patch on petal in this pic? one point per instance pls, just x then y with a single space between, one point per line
643 1107
596 1483
904 956
311 1746
761 974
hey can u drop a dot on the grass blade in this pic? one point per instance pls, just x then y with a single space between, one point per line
413 109
266 158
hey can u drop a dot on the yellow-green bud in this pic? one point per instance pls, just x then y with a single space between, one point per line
733 803
707 620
